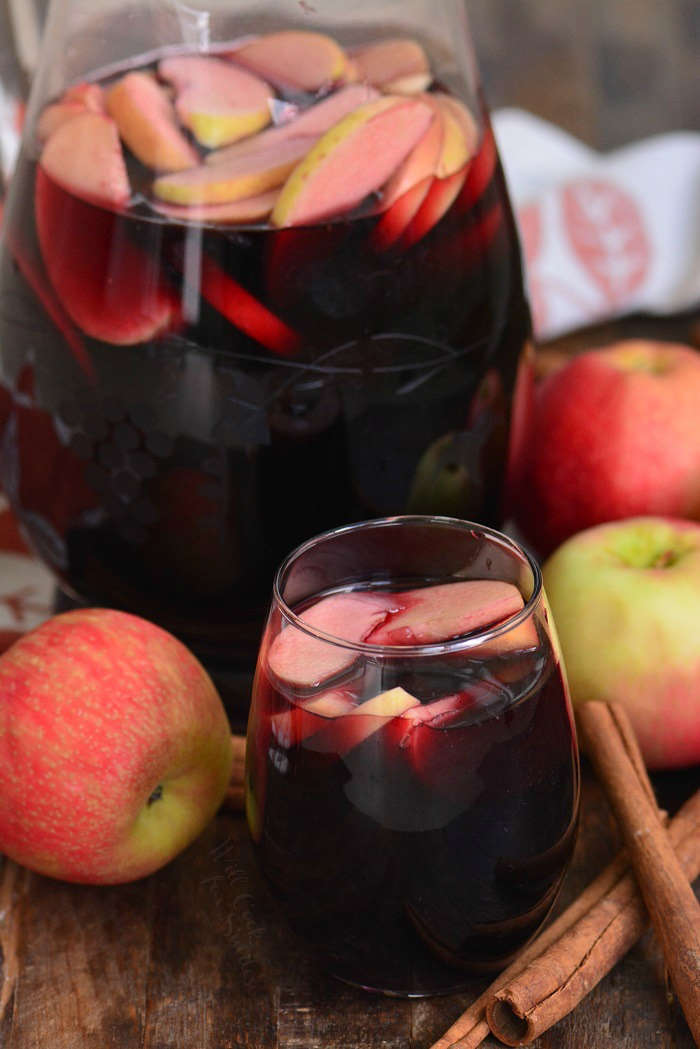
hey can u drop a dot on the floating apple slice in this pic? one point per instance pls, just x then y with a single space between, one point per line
294 59
236 179
394 222
421 163
56 114
75 100
251 209
91 96
362 722
311 124
84 155
353 159
468 132
216 101
295 725
246 312
146 120
300 659
439 199
399 65
108 286
439 613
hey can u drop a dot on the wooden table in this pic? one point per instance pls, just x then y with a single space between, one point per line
198 956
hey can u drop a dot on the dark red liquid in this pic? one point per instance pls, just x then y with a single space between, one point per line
418 855
169 477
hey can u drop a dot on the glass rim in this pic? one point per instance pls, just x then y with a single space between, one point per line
463 643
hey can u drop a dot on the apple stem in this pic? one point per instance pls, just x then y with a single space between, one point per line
155 796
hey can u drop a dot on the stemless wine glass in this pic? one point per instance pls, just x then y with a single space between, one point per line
412 800
260 278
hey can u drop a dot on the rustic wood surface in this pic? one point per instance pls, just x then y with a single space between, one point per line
198 956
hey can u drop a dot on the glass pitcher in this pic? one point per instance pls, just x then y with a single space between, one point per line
260 278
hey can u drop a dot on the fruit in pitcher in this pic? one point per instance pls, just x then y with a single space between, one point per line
352 160
399 66
311 123
234 179
117 297
116 750
85 157
294 59
146 120
216 101
613 434
625 597
81 98
250 209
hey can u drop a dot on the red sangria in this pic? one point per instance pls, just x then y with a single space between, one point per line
249 291
412 774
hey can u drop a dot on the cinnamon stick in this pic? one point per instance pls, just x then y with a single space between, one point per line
671 902
559 968
235 794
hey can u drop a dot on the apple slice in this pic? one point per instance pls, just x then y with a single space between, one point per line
397 65
146 120
297 724
311 123
91 96
439 613
84 156
246 312
394 222
109 287
305 661
363 721
421 163
438 201
235 179
294 58
75 100
251 209
216 101
464 146
353 159
479 173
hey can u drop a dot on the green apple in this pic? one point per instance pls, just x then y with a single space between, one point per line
115 750
625 597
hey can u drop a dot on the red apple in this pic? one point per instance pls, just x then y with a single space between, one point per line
614 434
115 750
625 597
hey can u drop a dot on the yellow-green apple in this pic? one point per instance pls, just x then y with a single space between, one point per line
115 750
614 434
625 597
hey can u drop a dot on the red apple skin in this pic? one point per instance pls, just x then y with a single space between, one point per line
625 598
614 434
103 712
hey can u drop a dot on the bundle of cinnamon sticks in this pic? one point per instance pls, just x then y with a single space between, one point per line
651 876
